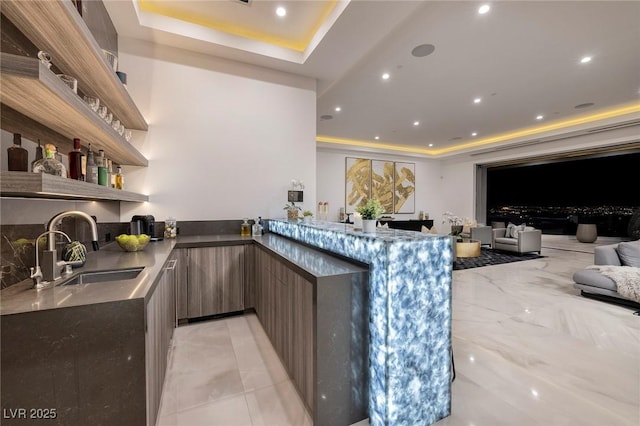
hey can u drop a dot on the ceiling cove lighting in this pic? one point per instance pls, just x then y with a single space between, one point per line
585 60
477 100
281 12
602 115
298 44
484 9
386 76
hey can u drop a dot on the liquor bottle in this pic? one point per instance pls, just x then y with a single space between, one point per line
92 168
119 179
245 228
39 154
49 164
17 155
111 177
102 169
75 161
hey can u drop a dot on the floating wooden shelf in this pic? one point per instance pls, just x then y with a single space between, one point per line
29 87
57 28
39 185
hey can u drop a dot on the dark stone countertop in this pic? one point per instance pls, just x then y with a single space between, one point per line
21 297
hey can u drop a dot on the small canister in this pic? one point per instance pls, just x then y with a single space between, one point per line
170 228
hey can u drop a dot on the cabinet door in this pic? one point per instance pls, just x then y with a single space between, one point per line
249 277
160 322
182 278
302 338
216 280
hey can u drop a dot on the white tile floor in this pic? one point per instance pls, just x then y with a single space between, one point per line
528 351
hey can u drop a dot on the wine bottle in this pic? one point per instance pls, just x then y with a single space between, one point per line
75 161
119 178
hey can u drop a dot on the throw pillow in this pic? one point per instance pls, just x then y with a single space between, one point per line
529 228
433 230
517 230
424 229
509 233
629 254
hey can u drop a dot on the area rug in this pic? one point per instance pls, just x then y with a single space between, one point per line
490 257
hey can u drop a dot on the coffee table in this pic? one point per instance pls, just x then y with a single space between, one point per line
468 248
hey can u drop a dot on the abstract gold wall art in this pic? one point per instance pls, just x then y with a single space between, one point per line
382 183
404 188
357 182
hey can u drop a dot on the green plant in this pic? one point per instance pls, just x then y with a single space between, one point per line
371 210
307 213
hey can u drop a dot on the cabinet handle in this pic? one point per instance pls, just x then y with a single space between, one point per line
171 265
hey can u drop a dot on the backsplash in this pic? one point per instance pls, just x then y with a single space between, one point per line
18 249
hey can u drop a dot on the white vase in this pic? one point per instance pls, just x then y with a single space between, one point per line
368 226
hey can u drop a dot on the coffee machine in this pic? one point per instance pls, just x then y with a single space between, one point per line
143 225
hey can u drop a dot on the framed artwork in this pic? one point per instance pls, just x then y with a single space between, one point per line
382 173
404 197
357 182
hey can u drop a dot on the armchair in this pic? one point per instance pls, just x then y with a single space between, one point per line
529 240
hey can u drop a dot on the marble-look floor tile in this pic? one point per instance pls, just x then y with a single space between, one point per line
225 412
277 405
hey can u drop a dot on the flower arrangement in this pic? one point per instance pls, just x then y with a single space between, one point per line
371 210
452 219
292 210
307 213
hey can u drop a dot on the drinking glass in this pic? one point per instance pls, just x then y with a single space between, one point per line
94 103
69 81
116 125
127 135
102 111
111 58
108 118
45 58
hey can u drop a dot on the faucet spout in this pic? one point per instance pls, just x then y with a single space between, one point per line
51 245
36 272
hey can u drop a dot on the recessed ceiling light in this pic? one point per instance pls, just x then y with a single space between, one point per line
377 138
385 76
477 100
416 123
430 145
539 117
474 134
484 9
338 109
423 50
281 11
585 59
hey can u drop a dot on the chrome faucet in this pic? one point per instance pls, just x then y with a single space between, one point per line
51 267
36 272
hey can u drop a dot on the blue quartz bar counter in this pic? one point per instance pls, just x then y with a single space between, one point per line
410 315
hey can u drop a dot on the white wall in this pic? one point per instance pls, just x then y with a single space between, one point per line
225 139
331 181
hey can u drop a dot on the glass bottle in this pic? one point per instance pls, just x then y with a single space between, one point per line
39 154
245 228
119 179
75 161
92 168
49 164
111 177
102 169
17 155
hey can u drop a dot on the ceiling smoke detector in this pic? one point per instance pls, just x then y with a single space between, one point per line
326 117
245 2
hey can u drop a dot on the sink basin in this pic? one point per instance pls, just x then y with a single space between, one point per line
103 276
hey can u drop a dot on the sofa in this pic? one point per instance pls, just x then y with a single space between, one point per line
526 240
595 285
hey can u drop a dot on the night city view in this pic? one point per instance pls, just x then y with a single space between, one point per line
556 196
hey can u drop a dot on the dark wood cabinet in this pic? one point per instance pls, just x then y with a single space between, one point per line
160 320
215 283
182 280
284 304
